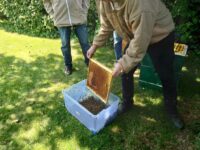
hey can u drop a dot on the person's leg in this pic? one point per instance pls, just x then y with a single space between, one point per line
162 55
127 81
117 45
128 87
82 34
65 33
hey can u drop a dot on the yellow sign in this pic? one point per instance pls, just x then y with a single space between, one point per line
180 49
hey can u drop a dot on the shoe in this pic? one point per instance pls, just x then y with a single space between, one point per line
124 107
68 70
177 121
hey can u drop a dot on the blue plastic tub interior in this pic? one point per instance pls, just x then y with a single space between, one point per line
75 94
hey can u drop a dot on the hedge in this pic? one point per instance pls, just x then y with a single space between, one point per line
29 16
186 14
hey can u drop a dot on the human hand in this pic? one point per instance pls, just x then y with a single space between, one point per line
91 51
117 70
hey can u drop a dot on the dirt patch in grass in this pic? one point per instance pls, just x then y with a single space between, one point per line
93 104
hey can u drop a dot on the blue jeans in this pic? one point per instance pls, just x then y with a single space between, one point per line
82 34
117 45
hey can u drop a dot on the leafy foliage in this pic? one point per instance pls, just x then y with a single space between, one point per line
93 21
30 17
187 18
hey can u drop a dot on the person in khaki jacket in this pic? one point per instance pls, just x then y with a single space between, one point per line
117 40
68 15
147 26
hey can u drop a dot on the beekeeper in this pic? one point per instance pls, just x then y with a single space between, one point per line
147 26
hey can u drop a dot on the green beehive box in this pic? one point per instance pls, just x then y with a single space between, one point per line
147 62
148 76
178 63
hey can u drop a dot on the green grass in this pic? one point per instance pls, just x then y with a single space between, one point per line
33 116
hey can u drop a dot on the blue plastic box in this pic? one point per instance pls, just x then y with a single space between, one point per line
75 94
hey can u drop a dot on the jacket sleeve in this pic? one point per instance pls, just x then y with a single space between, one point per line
105 30
142 28
48 7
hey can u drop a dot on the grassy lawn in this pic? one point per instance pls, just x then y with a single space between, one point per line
33 115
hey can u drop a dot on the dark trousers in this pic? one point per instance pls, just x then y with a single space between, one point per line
162 55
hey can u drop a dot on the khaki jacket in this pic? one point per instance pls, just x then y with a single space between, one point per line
67 12
139 22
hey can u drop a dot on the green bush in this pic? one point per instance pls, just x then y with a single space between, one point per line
187 19
93 21
30 17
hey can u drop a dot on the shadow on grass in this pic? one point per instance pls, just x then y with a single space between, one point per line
30 93
32 110
189 84
189 92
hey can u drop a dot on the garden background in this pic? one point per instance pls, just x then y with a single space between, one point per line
32 111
